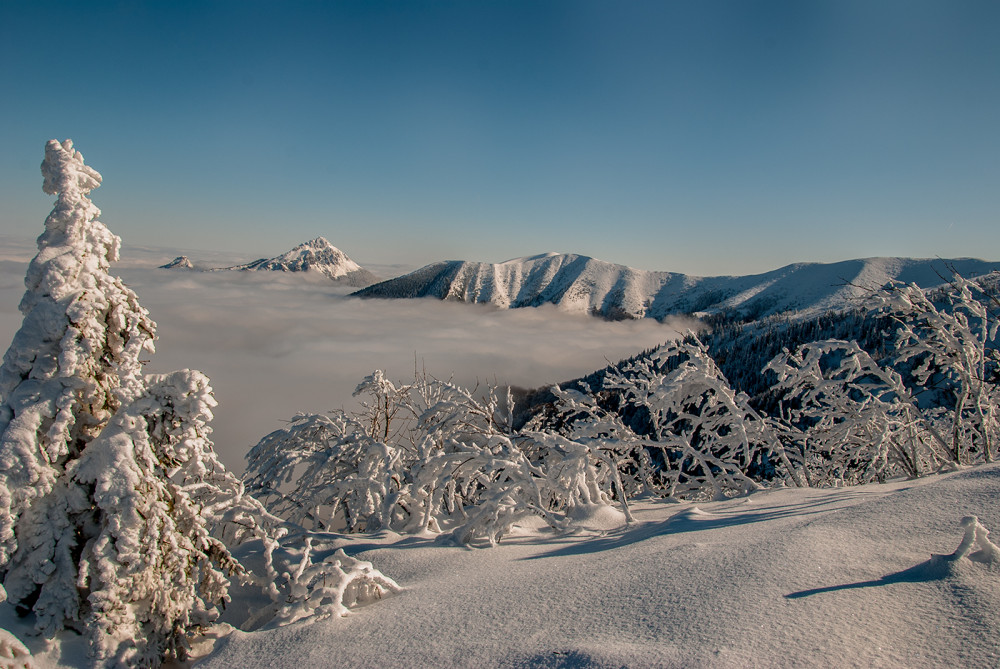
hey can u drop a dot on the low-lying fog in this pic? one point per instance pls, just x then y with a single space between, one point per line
277 344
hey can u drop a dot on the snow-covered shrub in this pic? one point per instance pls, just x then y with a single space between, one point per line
326 472
948 340
429 456
846 419
320 584
618 459
114 509
710 440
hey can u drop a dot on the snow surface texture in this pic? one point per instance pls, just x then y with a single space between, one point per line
786 577
317 256
579 283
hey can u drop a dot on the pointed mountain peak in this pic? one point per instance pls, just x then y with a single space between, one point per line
317 256
180 262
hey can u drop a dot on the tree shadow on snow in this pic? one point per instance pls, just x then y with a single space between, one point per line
937 568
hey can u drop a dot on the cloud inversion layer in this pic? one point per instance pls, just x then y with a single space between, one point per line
275 345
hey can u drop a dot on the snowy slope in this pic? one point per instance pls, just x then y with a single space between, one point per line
582 284
317 256
784 578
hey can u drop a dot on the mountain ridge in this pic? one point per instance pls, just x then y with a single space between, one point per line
582 284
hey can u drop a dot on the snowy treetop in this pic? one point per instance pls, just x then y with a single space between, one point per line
63 170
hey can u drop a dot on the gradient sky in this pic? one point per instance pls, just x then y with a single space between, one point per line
701 137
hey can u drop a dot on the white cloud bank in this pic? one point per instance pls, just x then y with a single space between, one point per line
275 344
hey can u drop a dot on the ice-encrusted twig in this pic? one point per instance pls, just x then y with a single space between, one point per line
976 536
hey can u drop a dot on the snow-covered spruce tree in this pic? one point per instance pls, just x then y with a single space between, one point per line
949 341
710 440
77 353
850 420
93 532
112 502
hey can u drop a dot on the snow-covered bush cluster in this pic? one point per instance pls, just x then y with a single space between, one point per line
425 456
431 456
117 519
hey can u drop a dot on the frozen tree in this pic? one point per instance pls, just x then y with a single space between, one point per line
114 509
93 530
851 420
711 441
949 341
76 356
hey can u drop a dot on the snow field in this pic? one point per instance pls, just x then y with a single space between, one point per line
783 578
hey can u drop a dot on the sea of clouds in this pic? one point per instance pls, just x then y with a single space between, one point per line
277 344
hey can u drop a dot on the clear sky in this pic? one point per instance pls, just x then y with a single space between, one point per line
702 137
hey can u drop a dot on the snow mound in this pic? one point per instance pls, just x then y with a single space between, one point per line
596 517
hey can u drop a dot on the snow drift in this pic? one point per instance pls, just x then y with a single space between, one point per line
784 578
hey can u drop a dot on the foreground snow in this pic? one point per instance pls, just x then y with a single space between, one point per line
790 577
782 578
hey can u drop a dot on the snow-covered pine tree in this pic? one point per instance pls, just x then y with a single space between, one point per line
113 505
76 355
93 532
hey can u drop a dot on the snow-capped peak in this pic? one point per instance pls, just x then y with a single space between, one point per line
180 262
316 255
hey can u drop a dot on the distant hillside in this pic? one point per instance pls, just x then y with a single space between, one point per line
743 349
582 284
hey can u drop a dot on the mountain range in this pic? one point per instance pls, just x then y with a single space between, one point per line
317 256
580 284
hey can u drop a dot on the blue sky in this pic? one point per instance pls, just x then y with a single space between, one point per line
702 137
